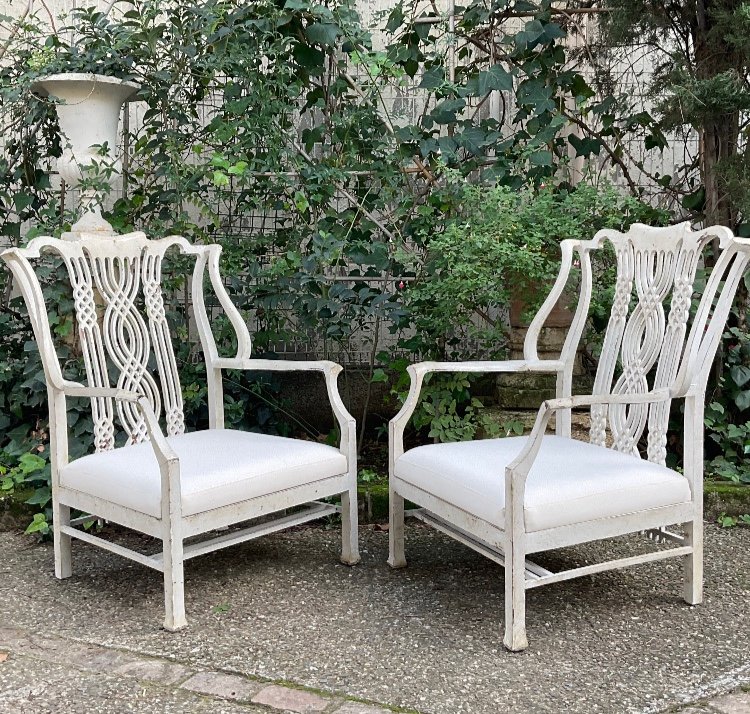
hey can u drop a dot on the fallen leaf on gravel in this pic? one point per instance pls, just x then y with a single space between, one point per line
3 656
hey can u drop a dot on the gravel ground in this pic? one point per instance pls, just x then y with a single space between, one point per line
426 638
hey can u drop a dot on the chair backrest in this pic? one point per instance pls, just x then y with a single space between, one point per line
649 342
121 320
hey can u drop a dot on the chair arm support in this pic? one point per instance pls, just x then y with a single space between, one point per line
164 452
518 469
330 370
418 371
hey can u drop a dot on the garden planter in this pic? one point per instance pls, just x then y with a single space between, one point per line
527 390
89 116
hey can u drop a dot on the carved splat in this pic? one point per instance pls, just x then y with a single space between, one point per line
653 268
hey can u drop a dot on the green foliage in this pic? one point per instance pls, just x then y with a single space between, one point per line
728 415
503 244
701 62
331 231
726 521
370 476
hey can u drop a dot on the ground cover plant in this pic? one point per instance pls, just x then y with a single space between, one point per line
346 209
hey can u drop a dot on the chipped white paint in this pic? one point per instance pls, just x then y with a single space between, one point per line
117 273
661 263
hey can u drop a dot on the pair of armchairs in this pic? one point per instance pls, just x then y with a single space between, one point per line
506 498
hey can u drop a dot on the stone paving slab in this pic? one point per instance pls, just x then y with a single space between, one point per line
32 686
224 686
426 638
292 700
738 703
78 676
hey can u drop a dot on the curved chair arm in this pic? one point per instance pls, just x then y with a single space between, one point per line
518 469
165 454
330 370
418 371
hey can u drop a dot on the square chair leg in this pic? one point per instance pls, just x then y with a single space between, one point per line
174 585
515 598
692 589
349 527
396 556
62 542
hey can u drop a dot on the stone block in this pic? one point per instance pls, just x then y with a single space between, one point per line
291 700
153 671
224 686
738 703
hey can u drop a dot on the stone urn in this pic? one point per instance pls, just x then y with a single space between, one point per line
89 115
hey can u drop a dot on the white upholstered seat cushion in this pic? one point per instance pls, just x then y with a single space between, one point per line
218 467
570 482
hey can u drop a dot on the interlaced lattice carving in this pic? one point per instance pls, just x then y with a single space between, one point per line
126 337
92 348
165 357
116 332
638 340
613 337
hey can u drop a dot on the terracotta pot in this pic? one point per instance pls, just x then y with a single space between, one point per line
561 315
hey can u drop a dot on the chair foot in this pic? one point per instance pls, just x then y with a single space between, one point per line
397 563
516 643
176 624
396 554
174 585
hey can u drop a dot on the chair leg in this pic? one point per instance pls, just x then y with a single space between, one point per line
174 585
62 542
692 589
515 599
349 527
396 555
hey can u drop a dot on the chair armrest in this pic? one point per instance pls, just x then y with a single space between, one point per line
330 370
513 365
164 452
418 372
519 468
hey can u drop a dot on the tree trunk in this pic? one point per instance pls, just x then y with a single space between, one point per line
719 134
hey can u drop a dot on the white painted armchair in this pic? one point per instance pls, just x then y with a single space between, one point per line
509 498
176 485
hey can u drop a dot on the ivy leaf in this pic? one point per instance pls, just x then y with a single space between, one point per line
41 496
585 146
445 112
742 400
395 19
694 201
740 374
309 57
553 31
655 140
322 33
496 77
38 525
220 179
433 78
22 200
541 158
